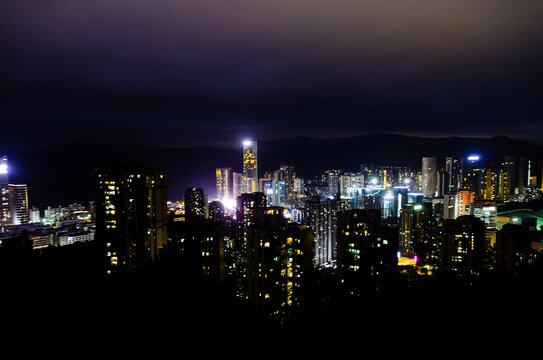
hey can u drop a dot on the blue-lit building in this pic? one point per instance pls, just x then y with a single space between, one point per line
275 191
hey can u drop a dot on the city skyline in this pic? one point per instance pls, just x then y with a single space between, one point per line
296 253
200 163
272 164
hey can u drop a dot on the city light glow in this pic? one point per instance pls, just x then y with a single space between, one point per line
3 168
229 204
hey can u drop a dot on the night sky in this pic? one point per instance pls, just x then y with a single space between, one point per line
183 73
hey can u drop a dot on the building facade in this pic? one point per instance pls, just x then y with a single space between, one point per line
429 176
224 178
279 264
366 252
18 204
131 215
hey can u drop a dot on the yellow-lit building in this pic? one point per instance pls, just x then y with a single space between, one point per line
224 183
250 167
497 185
279 259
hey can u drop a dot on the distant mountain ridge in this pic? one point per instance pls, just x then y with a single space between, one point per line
59 175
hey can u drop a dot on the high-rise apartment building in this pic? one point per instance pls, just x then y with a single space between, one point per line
249 207
351 184
504 186
131 215
429 176
449 206
250 166
287 173
224 180
453 174
496 185
418 233
237 184
510 166
195 204
366 252
321 218
462 199
280 260
473 176
332 177
216 211
276 194
463 246
18 204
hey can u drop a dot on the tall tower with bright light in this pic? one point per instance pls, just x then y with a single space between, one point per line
4 192
250 167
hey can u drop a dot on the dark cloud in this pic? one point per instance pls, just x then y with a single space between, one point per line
199 72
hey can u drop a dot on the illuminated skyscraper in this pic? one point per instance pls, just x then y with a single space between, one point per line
463 199
18 204
224 183
417 233
131 215
288 174
473 176
496 185
275 191
452 171
504 191
509 165
250 166
321 218
429 176
4 191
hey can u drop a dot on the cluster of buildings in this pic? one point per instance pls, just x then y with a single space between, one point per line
268 236
59 226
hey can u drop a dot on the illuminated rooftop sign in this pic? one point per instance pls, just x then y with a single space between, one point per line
474 158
